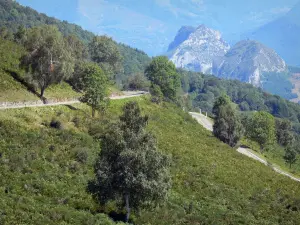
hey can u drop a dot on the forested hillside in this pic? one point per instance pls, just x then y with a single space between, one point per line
14 15
205 89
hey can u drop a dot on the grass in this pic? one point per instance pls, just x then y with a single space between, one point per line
61 91
12 91
43 182
274 156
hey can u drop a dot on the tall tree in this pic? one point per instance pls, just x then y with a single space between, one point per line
227 127
95 88
130 169
290 155
261 128
105 52
162 72
283 132
49 60
79 49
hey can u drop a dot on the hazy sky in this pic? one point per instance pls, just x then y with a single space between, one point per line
152 24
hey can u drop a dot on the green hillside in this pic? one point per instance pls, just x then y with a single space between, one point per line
12 15
44 171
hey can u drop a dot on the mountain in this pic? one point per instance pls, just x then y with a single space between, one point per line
182 35
282 35
200 48
248 61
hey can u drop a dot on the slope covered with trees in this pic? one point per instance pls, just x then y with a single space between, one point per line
14 15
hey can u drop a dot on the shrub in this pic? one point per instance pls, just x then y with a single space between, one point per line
81 155
76 121
56 124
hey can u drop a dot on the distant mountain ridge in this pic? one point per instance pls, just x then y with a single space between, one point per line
199 49
283 35
247 61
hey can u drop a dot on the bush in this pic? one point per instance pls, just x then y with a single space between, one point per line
76 121
81 155
56 124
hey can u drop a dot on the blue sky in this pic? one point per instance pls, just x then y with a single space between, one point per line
152 24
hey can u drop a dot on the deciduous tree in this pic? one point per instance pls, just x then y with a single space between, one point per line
227 126
104 51
49 60
130 169
162 72
95 88
261 128
290 155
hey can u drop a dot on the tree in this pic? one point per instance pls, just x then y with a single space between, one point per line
20 35
49 60
130 169
137 82
162 72
104 51
227 127
290 155
261 128
79 49
283 132
95 85
157 95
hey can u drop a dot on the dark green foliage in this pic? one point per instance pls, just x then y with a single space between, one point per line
162 72
49 60
81 155
95 88
290 155
156 93
227 126
56 124
261 128
205 89
104 51
134 61
13 15
137 82
283 132
79 49
130 169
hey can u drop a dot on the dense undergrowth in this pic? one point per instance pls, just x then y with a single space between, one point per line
45 171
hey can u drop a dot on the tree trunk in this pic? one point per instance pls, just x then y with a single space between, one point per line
93 112
42 92
127 207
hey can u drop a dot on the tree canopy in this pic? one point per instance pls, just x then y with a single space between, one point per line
105 52
227 126
95 88
162 72
130 169
49 59
261 128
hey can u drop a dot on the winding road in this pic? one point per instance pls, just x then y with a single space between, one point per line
208 124
126 94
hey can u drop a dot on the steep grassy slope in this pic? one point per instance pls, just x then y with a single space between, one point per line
44 175
13 87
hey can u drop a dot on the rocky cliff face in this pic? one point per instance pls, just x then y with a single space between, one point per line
199 49
248 61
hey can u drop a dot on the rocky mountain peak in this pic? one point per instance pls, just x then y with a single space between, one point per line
199 50
247 61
